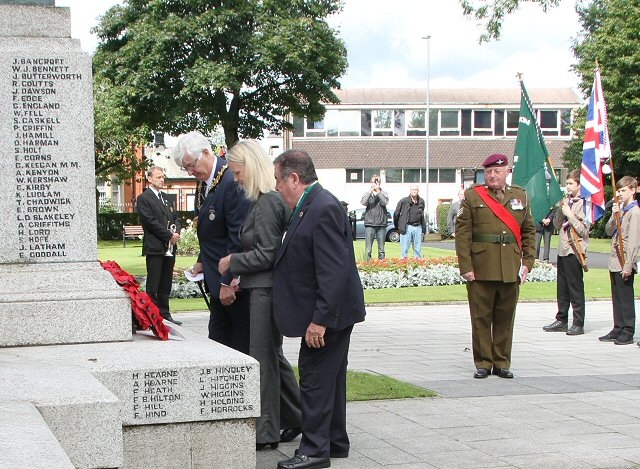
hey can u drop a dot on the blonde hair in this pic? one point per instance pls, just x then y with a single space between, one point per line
258 169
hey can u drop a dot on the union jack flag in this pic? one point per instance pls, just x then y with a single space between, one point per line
595 151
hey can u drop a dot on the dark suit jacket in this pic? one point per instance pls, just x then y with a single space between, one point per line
155 216
260 235
315 278
228 207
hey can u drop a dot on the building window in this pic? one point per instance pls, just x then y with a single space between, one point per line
315 128
365 123
393 175
411 176
332 122
565 122
350 123
369 173
449 123
549 122
513 118
447 175
498 129
298 127
383 123
354 175
482 125
465 127
433 122
416 125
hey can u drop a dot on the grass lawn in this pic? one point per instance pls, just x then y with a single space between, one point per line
596 280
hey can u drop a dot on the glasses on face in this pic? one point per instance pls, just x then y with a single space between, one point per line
191 166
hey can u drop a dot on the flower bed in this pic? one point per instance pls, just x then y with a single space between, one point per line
412 272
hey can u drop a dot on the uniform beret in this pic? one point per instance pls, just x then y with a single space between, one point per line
496 160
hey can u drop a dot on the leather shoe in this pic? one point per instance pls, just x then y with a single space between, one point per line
502 372
175 321
290 434
300 461
624 339
575 330
610 337
556 326
481 373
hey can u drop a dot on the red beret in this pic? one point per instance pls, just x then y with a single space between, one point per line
496 160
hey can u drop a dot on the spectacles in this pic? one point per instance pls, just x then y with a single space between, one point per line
191 166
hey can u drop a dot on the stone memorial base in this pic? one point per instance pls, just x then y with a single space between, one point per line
56 303
187 402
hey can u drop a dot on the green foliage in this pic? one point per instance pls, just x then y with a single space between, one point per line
244 65
611 35
442 214
189 244
493 12
115 135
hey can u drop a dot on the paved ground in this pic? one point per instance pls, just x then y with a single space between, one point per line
574 401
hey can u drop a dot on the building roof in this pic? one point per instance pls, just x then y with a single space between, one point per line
403 153
465 96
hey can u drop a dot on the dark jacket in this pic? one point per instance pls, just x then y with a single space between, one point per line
375 213
228 207
401 215
261 234
315 278
156 218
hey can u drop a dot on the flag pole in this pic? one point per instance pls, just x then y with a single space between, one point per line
616 199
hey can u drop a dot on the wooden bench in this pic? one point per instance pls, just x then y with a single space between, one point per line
131 232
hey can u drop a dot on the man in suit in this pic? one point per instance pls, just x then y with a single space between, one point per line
453 214
317 295
495 246
161 235
223 211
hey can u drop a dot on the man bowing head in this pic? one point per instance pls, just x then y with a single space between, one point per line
317 295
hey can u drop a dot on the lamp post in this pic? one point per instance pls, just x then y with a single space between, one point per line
426 194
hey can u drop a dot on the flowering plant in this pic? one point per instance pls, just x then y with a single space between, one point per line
145 312
422 272
189 245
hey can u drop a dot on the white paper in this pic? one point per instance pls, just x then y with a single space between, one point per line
193 278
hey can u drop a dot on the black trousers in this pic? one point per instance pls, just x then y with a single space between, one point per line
229 325
159 279
570 290
323 395
624 307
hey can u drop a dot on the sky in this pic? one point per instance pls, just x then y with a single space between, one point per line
385 46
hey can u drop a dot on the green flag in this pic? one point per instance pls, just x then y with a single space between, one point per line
532 167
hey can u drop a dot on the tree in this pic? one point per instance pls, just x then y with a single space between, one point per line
493 12
115 137
181 65
611 35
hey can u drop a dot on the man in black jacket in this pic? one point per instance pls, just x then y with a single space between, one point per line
161 235
410 221
375 217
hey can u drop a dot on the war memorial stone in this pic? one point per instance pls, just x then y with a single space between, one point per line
95 396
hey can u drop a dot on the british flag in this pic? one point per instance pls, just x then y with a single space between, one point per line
595 151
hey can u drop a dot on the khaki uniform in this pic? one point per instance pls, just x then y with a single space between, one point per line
570 284
486 246
622 293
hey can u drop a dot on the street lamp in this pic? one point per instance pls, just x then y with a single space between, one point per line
426 194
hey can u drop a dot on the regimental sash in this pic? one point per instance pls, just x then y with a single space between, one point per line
502 213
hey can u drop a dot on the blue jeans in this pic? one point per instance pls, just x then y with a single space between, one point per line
371 232
413 235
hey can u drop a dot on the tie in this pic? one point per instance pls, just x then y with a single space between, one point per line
161 198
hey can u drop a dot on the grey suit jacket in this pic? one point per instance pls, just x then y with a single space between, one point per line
260 235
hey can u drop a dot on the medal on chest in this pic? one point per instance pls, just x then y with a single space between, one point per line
212 214
516 204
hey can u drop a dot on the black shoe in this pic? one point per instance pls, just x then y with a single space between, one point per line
260 446
481 373
556 326
575 330
624 339
610 337
290 434
300 461
170 319
502 372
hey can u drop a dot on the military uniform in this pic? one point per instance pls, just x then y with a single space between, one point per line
487 247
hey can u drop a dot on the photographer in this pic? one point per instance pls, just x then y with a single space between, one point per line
375 216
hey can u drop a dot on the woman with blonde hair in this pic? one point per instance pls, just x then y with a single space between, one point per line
260 235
